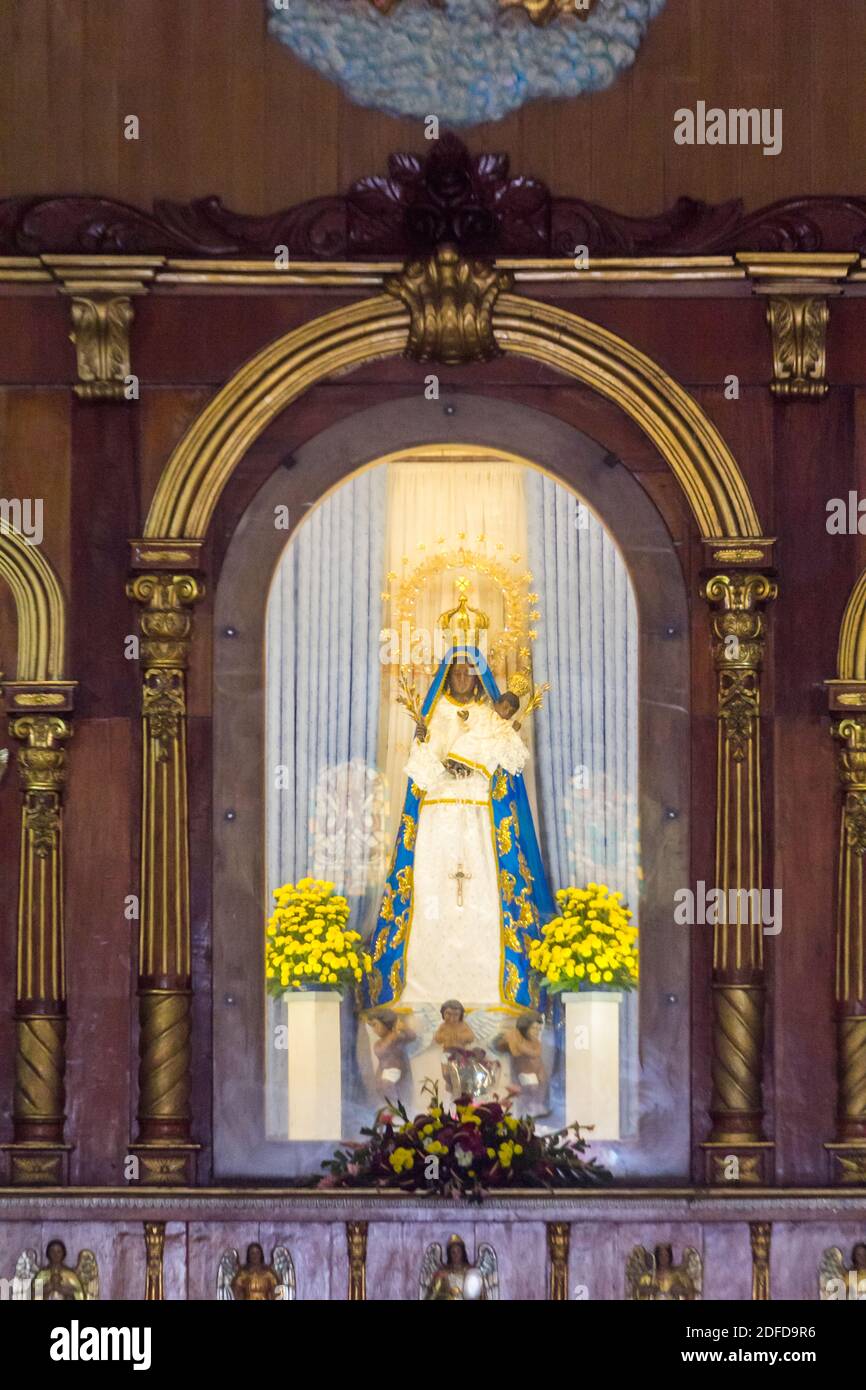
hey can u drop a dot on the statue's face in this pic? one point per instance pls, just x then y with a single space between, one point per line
255 1255
379 1027
533 1032
858 1255
461 680
452 1016
664 1256
457 1254
56 1252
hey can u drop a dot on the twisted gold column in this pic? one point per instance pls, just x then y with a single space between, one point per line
849 1149
736 1150
164 1145
558 1241
38 1154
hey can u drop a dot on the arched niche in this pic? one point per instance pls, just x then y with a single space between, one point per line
384 433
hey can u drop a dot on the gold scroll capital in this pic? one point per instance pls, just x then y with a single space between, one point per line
851 733
166 620
450 301
166 628
42 769
100 332
737 623
100 290
798 330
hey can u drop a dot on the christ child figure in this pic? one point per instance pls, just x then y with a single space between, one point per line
529 1076
393 1036
453 1031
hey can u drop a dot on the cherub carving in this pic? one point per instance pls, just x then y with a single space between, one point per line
55 1281
836 1281
454 1279
256 1281
656 1279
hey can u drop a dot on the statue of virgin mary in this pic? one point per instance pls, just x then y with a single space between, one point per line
466 892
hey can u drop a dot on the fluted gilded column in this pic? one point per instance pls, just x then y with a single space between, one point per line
38 1154
737 1150
558 1241
356 1242
164 1146
848 1152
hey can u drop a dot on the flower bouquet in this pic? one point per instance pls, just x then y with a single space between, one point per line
307 944
461 1149
590 945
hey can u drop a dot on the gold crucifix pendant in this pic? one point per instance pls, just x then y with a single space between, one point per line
461 877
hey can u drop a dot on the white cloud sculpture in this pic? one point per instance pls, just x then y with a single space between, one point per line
466 62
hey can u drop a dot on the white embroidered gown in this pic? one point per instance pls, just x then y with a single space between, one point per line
454 950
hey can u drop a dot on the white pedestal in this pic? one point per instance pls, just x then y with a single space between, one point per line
314 1064
592 1061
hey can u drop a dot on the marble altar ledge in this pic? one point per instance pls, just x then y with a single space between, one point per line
284 1204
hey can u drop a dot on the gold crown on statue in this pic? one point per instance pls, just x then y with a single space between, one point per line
463 622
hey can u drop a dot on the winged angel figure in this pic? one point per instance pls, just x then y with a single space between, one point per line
836 1280
255 1281
654 1278
55 1281
454 1278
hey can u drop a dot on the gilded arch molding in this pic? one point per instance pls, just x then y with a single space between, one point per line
39 605
735 546
203 461
38 701
847 702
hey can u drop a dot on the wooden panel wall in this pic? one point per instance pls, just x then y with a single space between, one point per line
96 467
226 109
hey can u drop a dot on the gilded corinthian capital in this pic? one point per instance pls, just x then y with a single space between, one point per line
166 628
450 300
738 648
852 774
42 769
166 622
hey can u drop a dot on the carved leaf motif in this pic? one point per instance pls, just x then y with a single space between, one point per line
449 195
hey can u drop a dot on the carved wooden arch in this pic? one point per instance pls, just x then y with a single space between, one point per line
851 655
203 461
39 605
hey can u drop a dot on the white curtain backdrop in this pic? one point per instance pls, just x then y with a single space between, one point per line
325 796
337 742
586 737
